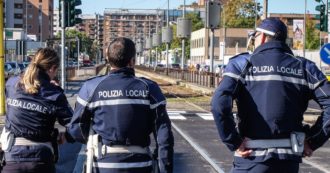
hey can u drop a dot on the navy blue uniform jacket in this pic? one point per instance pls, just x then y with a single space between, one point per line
33 116
272 94
125 110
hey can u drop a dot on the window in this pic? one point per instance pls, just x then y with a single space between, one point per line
232 41
18 16
18 25
19 6
30 16
30 26
29 5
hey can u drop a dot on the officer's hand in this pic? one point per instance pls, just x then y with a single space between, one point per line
244 152
54 82
308 152
61 138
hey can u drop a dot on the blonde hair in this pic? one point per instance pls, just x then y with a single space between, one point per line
43 60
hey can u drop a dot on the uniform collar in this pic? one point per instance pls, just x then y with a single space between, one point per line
43 77
273 45
124 70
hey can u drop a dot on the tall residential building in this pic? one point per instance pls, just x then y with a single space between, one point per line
99 32
88 25
134 24
35 17
92 25
56 22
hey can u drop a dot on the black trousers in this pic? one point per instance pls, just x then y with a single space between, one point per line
28 167
270 166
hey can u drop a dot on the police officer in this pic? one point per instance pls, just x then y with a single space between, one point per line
272 89
124 110
34 103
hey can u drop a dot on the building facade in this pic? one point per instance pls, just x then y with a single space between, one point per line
35 17
56 22
231 41
227 42
134 24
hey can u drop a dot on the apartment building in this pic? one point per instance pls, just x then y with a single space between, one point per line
35 17
134 24
88 25
56 22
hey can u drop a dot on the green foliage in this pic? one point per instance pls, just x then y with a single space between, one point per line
312 35
197 24
240 13
86 44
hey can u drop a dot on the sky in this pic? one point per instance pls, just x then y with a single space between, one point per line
275 6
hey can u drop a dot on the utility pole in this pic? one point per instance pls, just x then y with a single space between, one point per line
2 65
213 11
264 16
183 39
327 14
63 45
167 24
78 53
304 44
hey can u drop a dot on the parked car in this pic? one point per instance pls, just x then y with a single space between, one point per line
175 66
9 71
160 66
87 63
219 68
15 67
204 68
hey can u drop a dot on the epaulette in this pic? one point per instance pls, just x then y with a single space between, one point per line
244 53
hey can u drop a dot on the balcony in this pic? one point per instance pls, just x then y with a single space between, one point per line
18 11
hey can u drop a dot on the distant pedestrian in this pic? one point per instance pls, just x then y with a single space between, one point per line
272 88
34 103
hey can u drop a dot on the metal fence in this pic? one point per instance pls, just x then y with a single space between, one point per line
205 79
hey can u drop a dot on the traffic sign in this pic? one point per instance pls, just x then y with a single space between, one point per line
325 53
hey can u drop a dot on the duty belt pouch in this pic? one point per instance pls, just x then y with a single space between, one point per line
6 140
297 142
55 145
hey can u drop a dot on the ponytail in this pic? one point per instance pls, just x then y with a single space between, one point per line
44 59
30 79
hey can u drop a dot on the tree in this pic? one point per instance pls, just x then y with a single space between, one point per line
86 44
240 13
312 35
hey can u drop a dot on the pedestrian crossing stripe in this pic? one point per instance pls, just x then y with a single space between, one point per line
176 117
206 116
182 115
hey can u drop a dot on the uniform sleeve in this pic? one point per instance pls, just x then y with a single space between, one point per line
165 139
320 89
80 123
221 107
63 110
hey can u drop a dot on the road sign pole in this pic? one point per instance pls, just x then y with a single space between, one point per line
63 45
327 16
2 64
